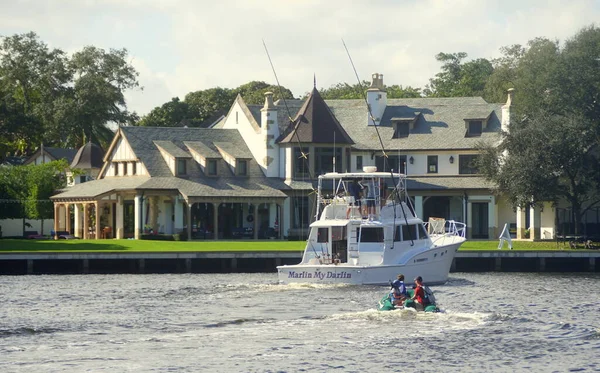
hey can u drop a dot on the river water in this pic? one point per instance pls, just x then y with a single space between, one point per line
249 323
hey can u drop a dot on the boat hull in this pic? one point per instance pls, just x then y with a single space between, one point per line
433 265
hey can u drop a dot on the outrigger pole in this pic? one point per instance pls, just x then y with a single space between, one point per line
385 156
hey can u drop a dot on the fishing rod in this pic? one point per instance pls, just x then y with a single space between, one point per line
385 156
296 124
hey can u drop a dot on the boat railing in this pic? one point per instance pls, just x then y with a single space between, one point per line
447 233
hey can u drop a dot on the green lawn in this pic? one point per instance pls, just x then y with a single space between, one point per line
10 245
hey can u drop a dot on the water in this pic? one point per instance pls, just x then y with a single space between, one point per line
248 323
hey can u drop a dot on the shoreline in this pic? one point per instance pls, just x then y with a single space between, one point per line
13 263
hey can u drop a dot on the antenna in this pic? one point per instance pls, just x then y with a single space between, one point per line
385 156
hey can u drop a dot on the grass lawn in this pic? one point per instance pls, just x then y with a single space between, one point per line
11 245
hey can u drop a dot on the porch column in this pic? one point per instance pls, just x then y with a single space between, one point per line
287 211
469 221
153 201
86 221
521 224
68 217
56 218
216 220
119 231
419 206
77 212
535 217
272 214
178 211
137 225
280 212
189 220
255 225
492 231
97 208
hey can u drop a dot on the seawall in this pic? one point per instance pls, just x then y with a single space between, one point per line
230 262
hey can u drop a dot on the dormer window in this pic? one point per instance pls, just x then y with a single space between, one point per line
181 167
402 130
475 127
211 167
242 167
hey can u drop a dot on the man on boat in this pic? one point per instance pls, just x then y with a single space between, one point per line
371 193
398 293
354 190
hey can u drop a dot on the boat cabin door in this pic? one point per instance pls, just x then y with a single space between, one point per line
339 244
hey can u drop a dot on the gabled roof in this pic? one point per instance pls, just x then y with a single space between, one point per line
315 123
55 153
142 141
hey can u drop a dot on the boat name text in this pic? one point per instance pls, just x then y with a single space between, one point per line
319 275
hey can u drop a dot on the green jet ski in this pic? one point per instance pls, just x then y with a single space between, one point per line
385 304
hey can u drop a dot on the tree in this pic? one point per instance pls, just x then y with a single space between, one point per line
458 79
208 103
32 76
26 190
547 158
345 91
254 92
97 96
170 114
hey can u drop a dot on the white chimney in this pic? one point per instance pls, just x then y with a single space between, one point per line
377 100
506 110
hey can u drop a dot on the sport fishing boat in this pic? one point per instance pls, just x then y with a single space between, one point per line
370 246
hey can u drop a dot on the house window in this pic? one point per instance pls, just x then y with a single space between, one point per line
212 167
134 168
402 130
359 164
125 170
467 164
181 167
301 164
432 164
82 179
395 163
475 128
242 167
324 160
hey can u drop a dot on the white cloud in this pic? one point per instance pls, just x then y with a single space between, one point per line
187 45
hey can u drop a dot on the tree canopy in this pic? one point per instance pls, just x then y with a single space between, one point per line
64 100
458 79
202 106
345 91
551 151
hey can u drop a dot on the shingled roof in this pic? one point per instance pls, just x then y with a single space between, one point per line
441 124
144 141
315 123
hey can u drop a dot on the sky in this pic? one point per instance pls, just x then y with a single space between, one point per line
180 46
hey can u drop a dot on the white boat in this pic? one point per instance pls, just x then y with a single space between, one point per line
345 247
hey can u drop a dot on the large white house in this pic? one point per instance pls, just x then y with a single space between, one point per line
252 174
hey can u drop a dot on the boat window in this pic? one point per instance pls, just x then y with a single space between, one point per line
370 234
323 235
338 233
422 231
408 232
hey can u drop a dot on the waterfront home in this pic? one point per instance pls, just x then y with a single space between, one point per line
252 174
